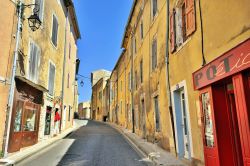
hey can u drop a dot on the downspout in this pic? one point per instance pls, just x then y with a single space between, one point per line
64 64
132 93
117 102
168 78
12 85
202 40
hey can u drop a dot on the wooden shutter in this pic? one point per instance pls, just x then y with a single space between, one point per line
37 61
190 17
172 30
154 54
31 61
51 78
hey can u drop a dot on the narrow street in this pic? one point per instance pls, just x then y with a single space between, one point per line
91 145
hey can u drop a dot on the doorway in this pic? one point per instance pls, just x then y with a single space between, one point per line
143 119
221 131
181 119
24 127
47 121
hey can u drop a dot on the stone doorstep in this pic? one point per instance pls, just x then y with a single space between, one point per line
155 153
26 152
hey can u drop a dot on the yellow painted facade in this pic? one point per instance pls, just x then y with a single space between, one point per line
7 36
70 96
129 91
97 100
132 90
49 54
224 27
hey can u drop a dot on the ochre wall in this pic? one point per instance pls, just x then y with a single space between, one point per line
7 43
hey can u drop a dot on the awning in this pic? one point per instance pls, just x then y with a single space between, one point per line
34 85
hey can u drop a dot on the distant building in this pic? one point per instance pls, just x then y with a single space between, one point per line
98 74
84 110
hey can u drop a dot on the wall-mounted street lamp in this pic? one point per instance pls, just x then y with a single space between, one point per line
34 20
81 83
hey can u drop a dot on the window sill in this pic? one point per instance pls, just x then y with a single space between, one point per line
55 47
153 71
153 18
183 44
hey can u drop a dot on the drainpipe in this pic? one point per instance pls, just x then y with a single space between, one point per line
12 85
202 40
64 64
168 79
132 89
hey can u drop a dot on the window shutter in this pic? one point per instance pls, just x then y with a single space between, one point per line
190 17
38 52
155 57
51 78
154 54
54 31
31 61
172 31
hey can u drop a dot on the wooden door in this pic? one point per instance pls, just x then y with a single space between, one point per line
16 127
30 123
241 84
234 122
208 128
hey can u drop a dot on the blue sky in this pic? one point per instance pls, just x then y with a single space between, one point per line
102 25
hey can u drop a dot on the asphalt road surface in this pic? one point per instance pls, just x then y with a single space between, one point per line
95 144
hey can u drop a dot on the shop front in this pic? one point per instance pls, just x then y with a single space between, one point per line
28 98
224 88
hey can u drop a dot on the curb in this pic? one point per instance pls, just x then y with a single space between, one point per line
152 156
21 155
138 148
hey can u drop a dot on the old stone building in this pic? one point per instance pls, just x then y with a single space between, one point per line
39 75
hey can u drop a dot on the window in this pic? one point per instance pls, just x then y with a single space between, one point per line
208 121
141 71
141 30
18 117
100 95
136 80
54 31
154 54
121 86
51 78
121 107
34 60
68 81
39 8
157 114
69 113
131 47
69 50
154 7
136 118
134 45
129 81
182 23
29 119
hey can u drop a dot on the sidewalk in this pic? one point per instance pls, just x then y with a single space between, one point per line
152 151
16 157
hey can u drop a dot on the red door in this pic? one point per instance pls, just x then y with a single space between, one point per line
208 128
242 99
